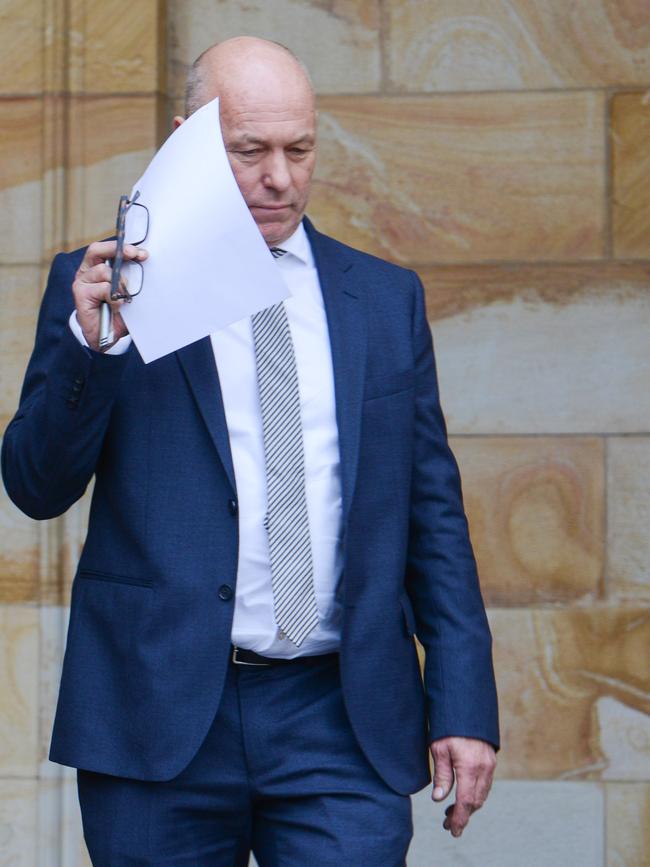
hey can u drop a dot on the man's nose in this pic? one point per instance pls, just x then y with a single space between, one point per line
276 172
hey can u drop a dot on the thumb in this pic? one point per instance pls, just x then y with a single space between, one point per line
443 773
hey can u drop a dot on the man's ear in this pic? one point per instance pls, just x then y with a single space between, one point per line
178 120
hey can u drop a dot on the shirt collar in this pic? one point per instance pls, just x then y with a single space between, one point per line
298 246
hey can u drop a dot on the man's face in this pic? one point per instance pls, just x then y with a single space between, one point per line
271 145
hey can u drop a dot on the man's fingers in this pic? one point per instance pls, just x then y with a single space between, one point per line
92 288
484 772
443 772
91 282
483 785
466 802
457 818
100 272
471 796
99 251
96 253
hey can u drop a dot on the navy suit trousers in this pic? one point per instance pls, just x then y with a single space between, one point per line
280 774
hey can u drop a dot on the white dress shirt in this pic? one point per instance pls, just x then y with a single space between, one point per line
254 625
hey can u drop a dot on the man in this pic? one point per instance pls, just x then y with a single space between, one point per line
276 514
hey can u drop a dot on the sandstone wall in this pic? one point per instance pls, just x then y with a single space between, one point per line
503 150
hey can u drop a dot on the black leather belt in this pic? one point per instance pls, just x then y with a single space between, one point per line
241 656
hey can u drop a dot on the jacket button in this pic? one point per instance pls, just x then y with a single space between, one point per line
232 507
225 592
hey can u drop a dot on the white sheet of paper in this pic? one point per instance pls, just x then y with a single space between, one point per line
208 263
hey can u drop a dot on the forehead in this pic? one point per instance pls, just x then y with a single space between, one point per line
271 119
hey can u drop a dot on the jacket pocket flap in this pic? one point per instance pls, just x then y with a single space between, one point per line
92 575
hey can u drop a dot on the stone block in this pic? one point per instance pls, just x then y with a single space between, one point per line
18 822
628 824
624 736
530 350
339 40
20 180
628 518
463 178
631 173
454 290
573 689
115 47
522 824
536 516
21 44
18 691
463 45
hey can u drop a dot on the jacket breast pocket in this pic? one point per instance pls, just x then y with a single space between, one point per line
388 384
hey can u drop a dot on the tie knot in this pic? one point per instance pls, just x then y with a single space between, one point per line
276 252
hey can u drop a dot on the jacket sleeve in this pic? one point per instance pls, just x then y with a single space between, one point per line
52 444
441 578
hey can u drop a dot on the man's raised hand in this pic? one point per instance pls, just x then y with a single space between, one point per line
92 286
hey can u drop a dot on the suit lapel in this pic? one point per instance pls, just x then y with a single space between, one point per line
346 318
198 364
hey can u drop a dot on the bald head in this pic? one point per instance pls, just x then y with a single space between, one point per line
216 69
268 123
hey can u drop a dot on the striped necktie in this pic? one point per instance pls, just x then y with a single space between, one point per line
287 522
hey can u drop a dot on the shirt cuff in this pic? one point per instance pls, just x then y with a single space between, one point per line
118 348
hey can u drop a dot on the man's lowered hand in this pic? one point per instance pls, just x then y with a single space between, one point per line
472 763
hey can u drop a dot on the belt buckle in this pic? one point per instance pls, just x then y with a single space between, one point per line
237 661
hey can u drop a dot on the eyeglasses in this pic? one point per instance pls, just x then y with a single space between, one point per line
124 289
138 230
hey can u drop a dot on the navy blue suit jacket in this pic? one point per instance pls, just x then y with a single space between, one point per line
152 600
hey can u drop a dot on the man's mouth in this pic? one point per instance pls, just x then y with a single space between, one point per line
270 207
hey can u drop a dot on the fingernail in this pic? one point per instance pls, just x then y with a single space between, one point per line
438 792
